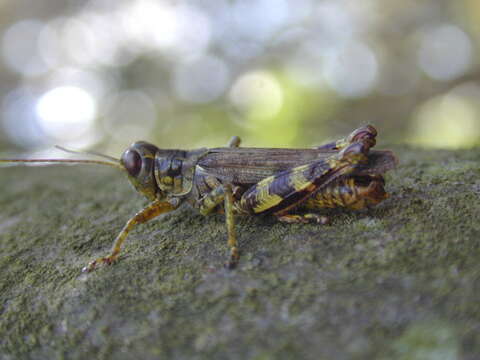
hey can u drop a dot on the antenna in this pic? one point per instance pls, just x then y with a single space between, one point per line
94 153
112 161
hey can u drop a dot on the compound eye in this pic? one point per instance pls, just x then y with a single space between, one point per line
132 162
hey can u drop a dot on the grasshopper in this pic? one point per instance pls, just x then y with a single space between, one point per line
236 181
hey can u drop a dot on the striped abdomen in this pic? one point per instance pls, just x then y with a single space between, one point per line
353 193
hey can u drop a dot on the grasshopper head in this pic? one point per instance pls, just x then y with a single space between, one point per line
138 161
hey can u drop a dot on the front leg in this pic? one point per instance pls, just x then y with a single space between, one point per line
151 211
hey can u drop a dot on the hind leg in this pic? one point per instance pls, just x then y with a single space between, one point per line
365 134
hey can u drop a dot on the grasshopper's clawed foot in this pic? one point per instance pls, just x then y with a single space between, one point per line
92 265
233 259
304 219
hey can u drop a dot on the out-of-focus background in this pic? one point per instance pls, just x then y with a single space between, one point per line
104 73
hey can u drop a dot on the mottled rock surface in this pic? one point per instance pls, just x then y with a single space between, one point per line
400 281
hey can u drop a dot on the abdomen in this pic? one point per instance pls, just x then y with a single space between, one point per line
354 193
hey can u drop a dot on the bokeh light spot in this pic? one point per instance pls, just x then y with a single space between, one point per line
259 19
150 23
194 31
20 48
176 29
352 70
258 94
201 79
79 42
449 121
303 66
109 38
335 24
19 120
445 52
97 84
66 112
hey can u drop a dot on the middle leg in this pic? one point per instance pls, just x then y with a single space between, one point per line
223 193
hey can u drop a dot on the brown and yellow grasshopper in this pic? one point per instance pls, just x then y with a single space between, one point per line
285 183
